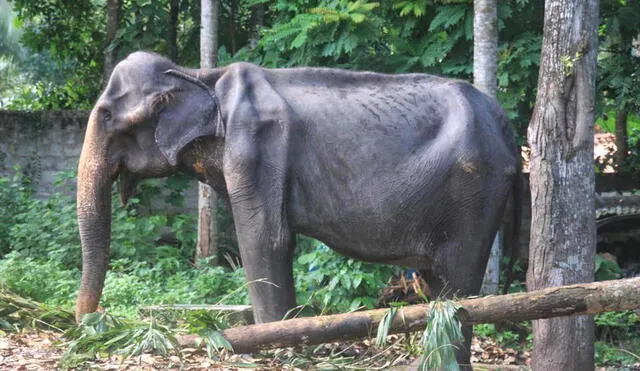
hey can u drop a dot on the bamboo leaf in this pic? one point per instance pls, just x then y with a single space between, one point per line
385 326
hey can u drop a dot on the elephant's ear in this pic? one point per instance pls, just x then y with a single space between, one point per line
191 112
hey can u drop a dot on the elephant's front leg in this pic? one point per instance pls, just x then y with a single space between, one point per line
255 166
264 238
267 257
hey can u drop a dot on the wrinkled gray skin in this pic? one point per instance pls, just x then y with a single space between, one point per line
409 169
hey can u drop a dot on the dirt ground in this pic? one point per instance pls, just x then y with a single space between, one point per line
42 350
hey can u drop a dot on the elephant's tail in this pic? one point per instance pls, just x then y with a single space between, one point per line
517 193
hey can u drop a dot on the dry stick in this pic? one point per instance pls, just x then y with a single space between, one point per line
560 301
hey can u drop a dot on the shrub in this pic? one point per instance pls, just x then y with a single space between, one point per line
215 284
332 283
15 194
617 355
44 258
617 325
606 269
41 280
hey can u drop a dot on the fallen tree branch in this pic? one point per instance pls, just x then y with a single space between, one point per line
580 299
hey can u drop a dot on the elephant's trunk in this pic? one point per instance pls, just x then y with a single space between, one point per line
94 217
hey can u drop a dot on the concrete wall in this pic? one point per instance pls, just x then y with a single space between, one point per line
42 143
47 143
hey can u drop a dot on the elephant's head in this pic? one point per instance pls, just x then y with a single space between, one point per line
150 110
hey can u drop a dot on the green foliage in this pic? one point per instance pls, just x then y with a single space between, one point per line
66 38
46 95
384 326
100 333
617 355
607 122
440 337
47 229
14 194
320 34
517 275
631 164
331 283
42 280
517 76
11 53
607 269
105 334
214 342
125 292
619 76
39 239
520 39
17 313
417 8
617 325
66 44
505 337
9 45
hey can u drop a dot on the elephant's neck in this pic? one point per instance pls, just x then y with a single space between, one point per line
203 160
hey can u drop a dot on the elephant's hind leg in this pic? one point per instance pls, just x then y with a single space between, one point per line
443 290
458 273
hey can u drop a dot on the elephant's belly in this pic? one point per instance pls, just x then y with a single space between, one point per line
396 212
365 234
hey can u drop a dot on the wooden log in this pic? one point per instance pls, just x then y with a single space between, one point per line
580 299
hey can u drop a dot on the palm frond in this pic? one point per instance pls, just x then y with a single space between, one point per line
18 312
440 337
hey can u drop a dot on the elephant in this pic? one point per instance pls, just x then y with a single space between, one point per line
407 169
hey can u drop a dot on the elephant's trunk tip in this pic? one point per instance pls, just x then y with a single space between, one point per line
86 303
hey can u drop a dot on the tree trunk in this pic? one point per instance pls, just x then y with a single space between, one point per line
206 246
257 21
233 9
485 45
572 300
622 147
172 30
209 20
563 228
110 51
485 67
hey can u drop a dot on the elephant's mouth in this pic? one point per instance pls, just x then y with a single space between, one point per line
128 182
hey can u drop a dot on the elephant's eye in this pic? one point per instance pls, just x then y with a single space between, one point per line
106 116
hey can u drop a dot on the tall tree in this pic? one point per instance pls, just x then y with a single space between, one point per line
256 23
110 51
485 45
209 22
485 71
563 231
232 19
172 30
206 246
